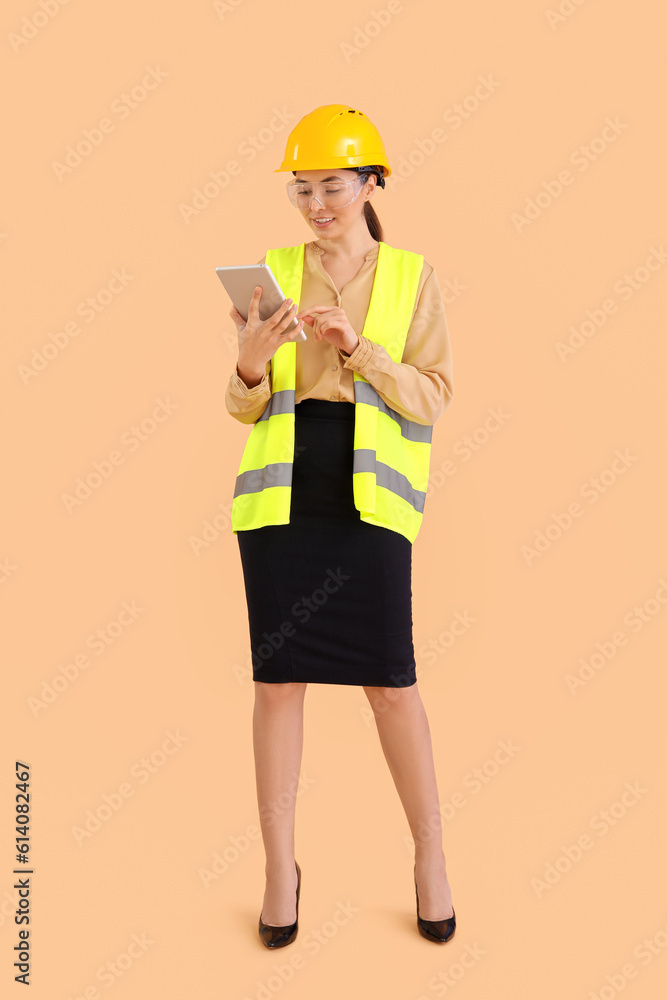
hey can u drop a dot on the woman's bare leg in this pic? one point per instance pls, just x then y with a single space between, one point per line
277 724
405 736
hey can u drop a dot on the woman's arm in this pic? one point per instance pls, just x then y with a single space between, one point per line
247 403
244 402
420 386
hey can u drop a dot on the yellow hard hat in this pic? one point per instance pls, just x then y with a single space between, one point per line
335 135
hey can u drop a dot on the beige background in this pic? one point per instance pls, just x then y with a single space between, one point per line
178 664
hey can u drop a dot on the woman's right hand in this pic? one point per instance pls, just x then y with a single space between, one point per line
260 339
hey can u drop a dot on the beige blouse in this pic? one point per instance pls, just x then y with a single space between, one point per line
420 387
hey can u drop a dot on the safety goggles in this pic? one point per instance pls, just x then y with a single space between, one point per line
329 194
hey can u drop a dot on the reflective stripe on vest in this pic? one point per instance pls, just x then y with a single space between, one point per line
391 452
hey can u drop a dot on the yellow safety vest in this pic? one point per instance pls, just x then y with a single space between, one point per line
391 453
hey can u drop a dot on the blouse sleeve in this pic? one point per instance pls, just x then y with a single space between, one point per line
420 386
247 404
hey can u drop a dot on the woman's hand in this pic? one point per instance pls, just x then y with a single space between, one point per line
331 323
259 340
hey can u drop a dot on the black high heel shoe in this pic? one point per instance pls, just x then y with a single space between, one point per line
435 930
277 937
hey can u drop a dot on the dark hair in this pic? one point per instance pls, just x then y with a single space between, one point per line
370 215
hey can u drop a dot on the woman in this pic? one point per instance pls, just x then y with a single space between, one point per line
330 493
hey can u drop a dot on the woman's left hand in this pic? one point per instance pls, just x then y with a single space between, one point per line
331 323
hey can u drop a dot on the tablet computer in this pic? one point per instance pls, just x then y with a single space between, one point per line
240 282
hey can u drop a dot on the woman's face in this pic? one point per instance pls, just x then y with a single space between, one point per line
342 218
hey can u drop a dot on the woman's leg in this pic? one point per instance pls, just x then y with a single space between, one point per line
405 736
277 724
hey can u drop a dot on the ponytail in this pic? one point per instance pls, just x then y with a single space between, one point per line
373 223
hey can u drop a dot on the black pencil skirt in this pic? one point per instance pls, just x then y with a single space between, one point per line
329 595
